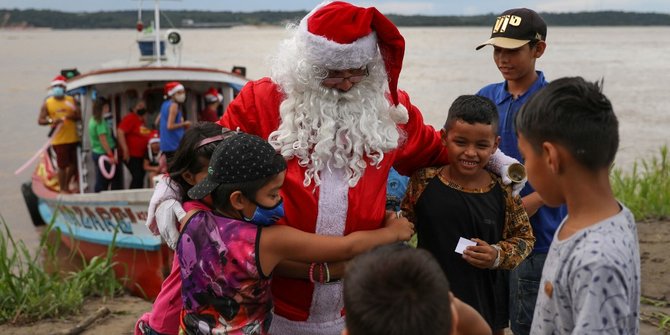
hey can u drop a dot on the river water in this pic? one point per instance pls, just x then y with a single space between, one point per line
440 64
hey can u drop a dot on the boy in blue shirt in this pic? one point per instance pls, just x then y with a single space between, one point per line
519 39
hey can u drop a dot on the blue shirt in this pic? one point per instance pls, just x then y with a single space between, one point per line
546 220
169 138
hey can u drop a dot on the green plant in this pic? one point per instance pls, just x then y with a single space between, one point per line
646 189
28 292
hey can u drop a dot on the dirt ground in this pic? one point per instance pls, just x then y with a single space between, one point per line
654 253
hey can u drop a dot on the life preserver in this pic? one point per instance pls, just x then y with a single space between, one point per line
101 164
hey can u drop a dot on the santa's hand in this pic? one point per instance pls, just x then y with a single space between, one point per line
168 215
165 189
499 164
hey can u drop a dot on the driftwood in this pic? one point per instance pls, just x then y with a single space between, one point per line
81 326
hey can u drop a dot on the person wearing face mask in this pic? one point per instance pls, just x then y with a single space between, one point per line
133 140
60 111
172 124
103 143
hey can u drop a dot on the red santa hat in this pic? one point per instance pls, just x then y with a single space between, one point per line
339 36
58 81
173 87
153 137
212 95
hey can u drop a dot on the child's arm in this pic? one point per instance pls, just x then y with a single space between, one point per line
281 242
470 322
147 166
518 239
532 203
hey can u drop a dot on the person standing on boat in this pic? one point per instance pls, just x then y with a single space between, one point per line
103 144
133 139
172 124
332 109
61 112
213 100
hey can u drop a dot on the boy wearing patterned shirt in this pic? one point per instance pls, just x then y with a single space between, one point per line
568 135
463 199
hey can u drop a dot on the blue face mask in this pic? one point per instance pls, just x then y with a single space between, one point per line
266 216
58 91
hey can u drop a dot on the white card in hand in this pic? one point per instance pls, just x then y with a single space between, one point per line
462 244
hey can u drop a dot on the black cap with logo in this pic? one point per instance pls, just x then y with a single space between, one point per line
237 159
516 27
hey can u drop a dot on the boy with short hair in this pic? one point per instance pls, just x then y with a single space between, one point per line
395 289
568 134
463 200
519 38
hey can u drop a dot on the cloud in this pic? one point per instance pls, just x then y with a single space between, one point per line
402 8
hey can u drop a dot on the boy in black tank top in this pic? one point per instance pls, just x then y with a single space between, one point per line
463 200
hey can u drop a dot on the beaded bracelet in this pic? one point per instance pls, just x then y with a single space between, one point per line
311 272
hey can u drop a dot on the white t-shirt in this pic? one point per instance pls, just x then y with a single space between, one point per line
591 281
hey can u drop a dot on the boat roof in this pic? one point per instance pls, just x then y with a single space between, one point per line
164 73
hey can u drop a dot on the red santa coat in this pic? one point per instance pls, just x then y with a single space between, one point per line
256 111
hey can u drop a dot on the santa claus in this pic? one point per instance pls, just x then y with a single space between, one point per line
333 110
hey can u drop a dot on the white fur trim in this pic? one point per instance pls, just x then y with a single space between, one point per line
399 114
175 90
58 83
327 300
213 98
335 56
284 326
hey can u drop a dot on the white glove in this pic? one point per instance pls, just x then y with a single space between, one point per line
165 189
499 164
168 214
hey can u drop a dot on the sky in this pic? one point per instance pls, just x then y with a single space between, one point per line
406 7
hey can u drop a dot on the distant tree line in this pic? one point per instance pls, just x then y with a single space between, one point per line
180 19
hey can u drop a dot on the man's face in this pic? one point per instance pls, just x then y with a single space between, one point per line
344 80
58 91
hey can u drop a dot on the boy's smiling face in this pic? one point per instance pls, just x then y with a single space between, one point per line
470 146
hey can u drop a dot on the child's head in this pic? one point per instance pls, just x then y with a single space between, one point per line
395 289
100 107
471 133
518 38
245 173
155 146
570 116
190 161
213 97
154 142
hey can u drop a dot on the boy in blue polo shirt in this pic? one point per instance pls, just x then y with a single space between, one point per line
519 39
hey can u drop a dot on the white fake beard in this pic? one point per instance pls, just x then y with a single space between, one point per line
326 128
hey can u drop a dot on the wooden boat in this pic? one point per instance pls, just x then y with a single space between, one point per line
91 222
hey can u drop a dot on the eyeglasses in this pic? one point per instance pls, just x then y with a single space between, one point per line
331 81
